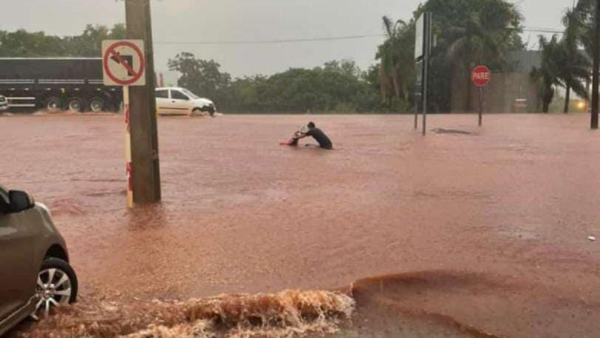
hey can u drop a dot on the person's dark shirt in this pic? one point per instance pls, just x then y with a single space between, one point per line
320 136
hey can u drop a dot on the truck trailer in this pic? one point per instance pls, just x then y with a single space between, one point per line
54 84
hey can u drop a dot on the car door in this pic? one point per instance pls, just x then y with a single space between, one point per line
16 260
162 101
181 104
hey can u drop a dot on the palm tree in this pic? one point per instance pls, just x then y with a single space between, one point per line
575 66
388 54
471 41
397 64
585 13
484 33
548 76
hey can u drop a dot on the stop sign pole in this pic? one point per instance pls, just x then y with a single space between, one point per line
481 76
596 71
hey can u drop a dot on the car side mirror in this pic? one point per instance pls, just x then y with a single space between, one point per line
20 201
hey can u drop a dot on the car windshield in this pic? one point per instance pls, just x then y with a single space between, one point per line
190 94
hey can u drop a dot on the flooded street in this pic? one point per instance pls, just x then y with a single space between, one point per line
468 232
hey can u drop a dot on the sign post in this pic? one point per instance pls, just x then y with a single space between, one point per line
481 96
422 53
142 104
124 64
596 71
128 162
481 77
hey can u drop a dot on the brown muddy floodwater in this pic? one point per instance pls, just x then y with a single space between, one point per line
473 232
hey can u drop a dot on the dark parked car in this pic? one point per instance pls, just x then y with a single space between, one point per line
35 274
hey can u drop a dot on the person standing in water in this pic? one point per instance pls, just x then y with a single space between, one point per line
314 132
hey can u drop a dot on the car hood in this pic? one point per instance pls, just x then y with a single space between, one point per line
204 101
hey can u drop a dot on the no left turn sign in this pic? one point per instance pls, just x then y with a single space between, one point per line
123 62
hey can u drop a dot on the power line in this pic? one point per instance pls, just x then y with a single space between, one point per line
319 39
264 42
543 30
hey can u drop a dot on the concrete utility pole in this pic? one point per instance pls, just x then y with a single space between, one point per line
144 132
596 75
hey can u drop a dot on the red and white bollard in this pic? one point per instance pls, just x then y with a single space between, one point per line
129 165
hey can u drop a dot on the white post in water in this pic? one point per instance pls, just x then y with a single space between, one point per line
128 162
424 39
124 65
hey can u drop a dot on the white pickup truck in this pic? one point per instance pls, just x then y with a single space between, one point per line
3 103
180 101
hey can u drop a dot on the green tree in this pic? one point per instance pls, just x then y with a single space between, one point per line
584 14
202 77
396 67
548 75
24 44
89 43
337 86
246 94
575 66
470 32
564 63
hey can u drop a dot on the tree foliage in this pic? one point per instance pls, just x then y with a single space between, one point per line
201 76
548 74
336 86
468 32
575 65
565 62
26 44
396 67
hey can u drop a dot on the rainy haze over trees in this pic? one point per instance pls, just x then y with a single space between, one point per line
467 33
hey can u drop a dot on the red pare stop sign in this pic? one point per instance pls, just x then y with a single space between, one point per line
481 76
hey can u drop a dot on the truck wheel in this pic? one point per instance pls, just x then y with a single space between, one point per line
53 104
97 104
75 104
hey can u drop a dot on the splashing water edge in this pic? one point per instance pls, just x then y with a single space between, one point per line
290 313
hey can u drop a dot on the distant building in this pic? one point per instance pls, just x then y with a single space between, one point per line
511 91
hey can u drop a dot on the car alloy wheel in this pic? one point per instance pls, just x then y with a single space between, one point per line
55 287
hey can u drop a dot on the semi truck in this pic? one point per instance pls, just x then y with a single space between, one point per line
53 84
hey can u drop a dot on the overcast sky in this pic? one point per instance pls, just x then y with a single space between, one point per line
252 20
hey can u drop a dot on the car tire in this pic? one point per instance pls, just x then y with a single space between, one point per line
53 104
97 104
57 285
196 112
75 105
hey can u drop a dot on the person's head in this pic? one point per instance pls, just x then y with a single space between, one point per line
311 125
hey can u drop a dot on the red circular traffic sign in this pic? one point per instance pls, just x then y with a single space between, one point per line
137 74
481 76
